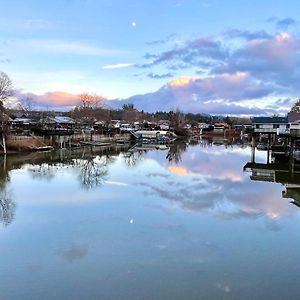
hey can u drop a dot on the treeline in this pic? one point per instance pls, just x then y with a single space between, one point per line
130 114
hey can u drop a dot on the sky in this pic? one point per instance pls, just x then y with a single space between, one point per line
213 56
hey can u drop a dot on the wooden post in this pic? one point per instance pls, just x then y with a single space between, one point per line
3 143
253 148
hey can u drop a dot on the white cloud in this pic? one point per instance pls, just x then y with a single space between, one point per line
116 66
64 47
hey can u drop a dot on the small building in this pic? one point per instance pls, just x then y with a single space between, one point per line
221 127
203 125
164 125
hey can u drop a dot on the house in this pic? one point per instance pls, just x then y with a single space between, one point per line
203 125
270 125
221 127
58 122
164 125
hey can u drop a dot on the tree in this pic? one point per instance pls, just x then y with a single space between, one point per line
296 107
28 104
90 100
128 106
177 122
6 88
6 91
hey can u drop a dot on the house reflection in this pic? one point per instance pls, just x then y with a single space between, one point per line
286 173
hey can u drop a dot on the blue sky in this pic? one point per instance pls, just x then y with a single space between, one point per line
120 49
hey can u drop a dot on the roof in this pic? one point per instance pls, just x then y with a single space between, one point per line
293 116
57 120
269 120
23 120
63 119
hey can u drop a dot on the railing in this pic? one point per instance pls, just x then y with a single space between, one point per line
265 130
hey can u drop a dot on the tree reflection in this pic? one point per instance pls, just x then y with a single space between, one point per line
93 171
43 171
7 207
176 151
132 158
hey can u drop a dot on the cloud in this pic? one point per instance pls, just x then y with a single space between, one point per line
271 58
236 66
63 47
116 66
283 24
52 99
193 51
162 41
240 72
245 34
216 94
74 252
160 76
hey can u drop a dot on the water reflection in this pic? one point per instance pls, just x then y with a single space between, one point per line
7 205
148 222
93 171
73 252
285 173
133 156
198 175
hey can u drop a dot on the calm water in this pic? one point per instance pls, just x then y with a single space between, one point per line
184 223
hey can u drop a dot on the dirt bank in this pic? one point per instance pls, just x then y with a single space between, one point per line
24 144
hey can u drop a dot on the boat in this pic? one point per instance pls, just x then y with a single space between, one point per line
155 134
147 147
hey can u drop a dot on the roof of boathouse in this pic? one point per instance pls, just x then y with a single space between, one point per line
269 120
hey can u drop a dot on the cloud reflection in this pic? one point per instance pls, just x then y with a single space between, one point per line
73 252
206 181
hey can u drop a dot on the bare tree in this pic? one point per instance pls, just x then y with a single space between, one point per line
90 100
6 91
28 104
6 88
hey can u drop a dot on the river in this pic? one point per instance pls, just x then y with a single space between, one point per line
181 223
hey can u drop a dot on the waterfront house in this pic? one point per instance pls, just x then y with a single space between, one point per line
57 122
270 125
